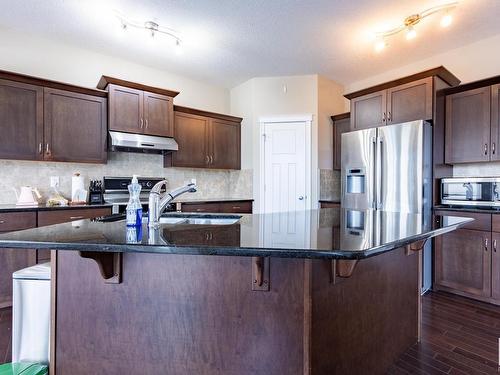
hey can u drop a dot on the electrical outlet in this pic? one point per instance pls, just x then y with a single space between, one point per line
193 181
54 181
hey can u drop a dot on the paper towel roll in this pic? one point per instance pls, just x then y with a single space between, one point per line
77 187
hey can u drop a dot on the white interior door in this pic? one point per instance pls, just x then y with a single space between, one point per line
285 171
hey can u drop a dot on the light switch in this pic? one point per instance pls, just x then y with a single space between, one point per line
54 181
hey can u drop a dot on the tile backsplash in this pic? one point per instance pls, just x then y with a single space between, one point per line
211 183
491 169
329 184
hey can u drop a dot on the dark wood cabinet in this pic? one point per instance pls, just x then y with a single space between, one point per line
242 207
369 111
495 267
402 100
21 119
495 122
468 125
139 109
191 133
341 124
463 262
206 140
225 143
409 102
66 215
74 127
15 259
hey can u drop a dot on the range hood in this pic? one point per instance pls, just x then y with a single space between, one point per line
120 141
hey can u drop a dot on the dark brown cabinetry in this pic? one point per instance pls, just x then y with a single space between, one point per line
15 259
242 207
52 121
495 122
74 127
341 124
21 118
206 140
137 108
406 99
467 260
468 126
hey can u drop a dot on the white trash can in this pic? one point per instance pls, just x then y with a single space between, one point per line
31 314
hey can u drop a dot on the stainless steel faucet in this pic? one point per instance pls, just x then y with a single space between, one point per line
157 203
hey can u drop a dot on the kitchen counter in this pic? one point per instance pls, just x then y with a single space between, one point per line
482 210
303 234
15 208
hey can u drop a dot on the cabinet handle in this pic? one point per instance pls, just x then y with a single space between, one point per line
142 123
146 124
207 159
485 244
211 159
2 221
495 246
47 149
486 149
40 148
236 207
383 118
389 117
493 148
76 217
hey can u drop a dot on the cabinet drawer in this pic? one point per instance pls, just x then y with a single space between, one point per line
62 216
201 207
241 207
481 221
17 220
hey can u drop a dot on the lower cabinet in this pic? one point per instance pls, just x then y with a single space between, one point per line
463 261
236 207
495 266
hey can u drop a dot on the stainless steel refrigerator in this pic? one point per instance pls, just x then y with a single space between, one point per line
390 169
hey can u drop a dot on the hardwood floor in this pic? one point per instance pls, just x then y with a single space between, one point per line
5 334
459 336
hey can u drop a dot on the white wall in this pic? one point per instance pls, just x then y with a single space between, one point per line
68 63
469 63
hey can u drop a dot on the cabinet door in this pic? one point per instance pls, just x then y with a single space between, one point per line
191 133
21 119
467 136
495 267
75 127
495 122
212 207
410 102
463 261
126 109
158 110
225 142
369 111
339 127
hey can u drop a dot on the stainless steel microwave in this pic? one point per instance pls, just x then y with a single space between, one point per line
471 191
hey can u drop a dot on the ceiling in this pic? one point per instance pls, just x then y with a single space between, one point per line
226 42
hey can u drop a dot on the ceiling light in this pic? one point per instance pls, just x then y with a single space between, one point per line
152 28
446 20
410 22
411 33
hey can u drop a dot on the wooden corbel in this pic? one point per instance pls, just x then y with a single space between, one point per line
260 274
415 247
110 265
343 268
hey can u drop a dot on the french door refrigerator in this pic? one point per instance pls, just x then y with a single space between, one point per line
389 168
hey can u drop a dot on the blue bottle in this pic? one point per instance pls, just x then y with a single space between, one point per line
134 207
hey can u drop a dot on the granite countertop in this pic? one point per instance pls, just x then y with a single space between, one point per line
301 234
42 207
482 210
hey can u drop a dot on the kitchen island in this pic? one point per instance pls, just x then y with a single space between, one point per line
329 291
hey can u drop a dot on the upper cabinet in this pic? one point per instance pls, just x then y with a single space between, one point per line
472 122
139 109
341 124
206 140
52 121
406 99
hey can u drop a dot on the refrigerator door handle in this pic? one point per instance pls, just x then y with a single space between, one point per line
375 182
379 172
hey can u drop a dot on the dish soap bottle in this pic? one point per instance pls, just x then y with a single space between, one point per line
134 207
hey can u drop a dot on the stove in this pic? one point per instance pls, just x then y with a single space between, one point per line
116 192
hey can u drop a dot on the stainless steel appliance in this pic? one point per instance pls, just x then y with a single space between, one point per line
31 314
116 191
390 169
120 141
471 191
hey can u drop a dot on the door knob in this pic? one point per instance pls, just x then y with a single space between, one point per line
301 198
